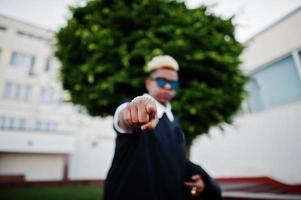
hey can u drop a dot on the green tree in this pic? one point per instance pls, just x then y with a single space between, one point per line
105 45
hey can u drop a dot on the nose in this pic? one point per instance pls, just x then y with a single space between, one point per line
167 86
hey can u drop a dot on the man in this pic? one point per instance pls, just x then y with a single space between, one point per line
149 161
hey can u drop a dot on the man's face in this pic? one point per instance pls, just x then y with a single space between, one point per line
160 85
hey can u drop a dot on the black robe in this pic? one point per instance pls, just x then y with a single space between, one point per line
150 165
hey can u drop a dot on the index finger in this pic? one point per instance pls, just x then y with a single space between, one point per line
190 184
151 124
153 118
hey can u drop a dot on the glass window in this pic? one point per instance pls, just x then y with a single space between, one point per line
43 95
2 119
17 123
30 63
22 93
10 122
37 125
25 60
22 123
27 91
14 58
18 59
40 125
53 126
50 95
47 65
17 92
276 84
6 122
8 90
47 95
46 125
254 99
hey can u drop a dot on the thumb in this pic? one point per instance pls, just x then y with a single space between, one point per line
196 177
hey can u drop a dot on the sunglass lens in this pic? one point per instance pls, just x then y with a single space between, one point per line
174 85
161 82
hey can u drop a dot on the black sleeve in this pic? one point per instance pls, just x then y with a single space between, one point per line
212 190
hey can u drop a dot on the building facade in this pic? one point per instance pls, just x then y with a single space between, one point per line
41 136
264 139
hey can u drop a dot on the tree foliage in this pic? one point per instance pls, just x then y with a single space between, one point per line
106 44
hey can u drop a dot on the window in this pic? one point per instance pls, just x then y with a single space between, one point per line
15 91
12 122
46 125
14 59
255 100
23 60
44 95
37 125
48 95
30 65
8 90
47 65
9 122
19 123
276 84
26 93
2 121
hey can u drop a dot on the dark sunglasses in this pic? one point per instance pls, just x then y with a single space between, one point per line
162 82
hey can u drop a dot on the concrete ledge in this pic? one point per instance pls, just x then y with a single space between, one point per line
249 196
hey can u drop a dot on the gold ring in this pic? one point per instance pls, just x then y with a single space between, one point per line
193 191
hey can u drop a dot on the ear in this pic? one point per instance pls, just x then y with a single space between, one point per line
147 83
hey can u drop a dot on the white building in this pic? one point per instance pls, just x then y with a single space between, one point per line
41 137
265 140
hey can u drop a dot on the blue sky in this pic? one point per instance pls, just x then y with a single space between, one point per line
251 15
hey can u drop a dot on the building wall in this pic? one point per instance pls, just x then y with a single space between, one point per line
94 148
265 142
39 129
260 144
35 142
35 167
279 40
34 107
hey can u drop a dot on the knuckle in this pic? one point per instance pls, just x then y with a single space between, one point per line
137 99
129 122
128 119
134 120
